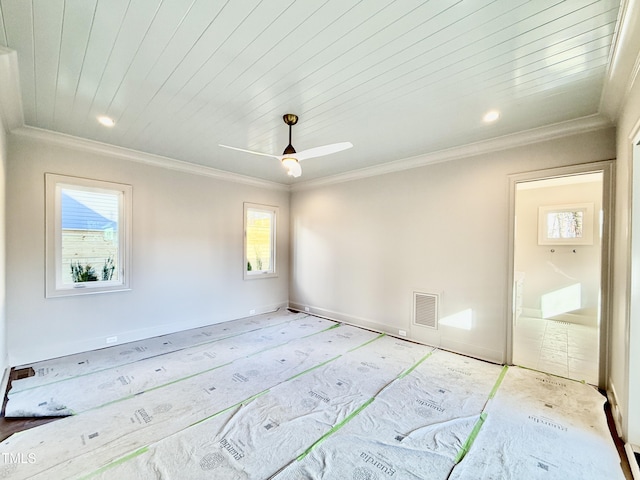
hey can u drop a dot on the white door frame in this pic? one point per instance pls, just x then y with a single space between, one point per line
633 295
607 169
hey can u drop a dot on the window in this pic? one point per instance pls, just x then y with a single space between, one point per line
88 236
565 224
259 241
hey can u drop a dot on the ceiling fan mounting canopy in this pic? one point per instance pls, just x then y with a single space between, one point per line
290 118
290 159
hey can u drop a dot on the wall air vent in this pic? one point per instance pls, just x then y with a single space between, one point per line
425 309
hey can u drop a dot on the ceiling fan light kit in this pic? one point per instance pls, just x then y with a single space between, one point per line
292 166
290 159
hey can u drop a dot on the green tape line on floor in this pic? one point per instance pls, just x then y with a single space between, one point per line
312 368
415 365
145 449
495 388
292 340
368 342
242 402
117 462
146 358
324 330
476 428
335 428
177 380
471 438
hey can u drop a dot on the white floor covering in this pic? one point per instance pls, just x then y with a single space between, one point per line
106 385
539 427
291 396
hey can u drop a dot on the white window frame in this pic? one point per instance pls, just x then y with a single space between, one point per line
273 271
55 287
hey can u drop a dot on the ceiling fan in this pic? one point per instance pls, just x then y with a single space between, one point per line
290 158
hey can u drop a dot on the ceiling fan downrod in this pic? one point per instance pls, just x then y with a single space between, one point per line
290 119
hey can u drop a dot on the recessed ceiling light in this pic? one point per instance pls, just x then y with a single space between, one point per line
106 121
491 116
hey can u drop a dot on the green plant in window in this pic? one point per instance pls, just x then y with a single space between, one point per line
83 274
108 269
249 268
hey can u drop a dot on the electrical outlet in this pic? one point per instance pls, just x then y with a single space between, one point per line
306 309
402 333
112 339
252 311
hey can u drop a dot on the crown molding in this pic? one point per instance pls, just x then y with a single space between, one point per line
519 139
624 60
92 146
10 93
559 130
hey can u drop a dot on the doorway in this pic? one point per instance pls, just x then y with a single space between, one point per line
559 259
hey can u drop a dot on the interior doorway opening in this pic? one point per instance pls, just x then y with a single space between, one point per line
559 271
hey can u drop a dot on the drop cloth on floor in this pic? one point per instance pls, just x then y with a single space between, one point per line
276 427
73 395
414 428
542 427
104 434
339 403
49 371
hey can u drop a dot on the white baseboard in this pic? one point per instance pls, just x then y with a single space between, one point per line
345 318
27 357
630 450
448 344
615 408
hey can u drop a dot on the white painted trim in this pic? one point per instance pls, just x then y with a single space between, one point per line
343 318
446 344
620 77
275 217
616 414
632 419
528 137
55 286
10 93
550 132
92 146
635 470
607 167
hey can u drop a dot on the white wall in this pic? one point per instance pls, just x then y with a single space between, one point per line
360 248
187 262
546 271
4 361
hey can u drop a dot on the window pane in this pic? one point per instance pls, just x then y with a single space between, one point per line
259 231
564 224
90 250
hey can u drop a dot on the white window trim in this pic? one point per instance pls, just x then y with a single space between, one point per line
54 287
247 275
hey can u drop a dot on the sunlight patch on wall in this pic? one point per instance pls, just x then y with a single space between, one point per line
462 320
560 301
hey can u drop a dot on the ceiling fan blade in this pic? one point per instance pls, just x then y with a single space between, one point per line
249 151
324 150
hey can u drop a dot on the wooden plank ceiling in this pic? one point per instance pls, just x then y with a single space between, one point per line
396 78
